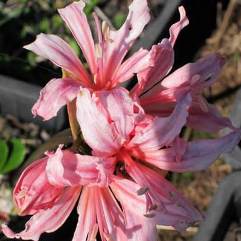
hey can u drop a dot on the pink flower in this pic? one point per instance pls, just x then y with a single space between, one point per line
114 125
159 94
105 59
49 189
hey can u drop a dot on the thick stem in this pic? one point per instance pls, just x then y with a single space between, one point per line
74 125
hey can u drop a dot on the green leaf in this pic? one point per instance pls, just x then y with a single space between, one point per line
3 153
16 157
89 7
118 20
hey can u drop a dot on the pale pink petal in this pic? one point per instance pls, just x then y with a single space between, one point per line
110 218
87 223
121 40
177 210
48 220
123 112
210 120
56 94
99 134
138 226
138 62
168 205
162 56
176 28
65 168
33 192
205 71
197 155
163 130
75 19
60 53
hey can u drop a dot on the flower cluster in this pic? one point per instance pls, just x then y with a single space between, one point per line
134 136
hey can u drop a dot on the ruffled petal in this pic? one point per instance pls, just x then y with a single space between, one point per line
122 111
110 218
195 156
203 72
33 192
60 53
120 41
87 224
138 226
99 134
176 28
209 120
48 220
163 130
162 57
75 19
57 93
65 168
138 62
168 207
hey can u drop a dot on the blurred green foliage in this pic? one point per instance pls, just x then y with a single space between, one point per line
20 22
12 155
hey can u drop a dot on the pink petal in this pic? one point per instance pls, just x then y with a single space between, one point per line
210 120
162 56
57 93
176 28
121 40
167 204
87 224
65 168
33 192
163 130
173 209
48 220
122 111
75 19
110 218
204 71
99 134
197 155
138 62
138 227
60 53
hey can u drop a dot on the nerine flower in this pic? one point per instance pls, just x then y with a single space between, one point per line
105 58
50 188
134 137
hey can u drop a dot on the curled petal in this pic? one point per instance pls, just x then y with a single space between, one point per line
163 130
196 156
65 168
210 120
162 57
57 93
60 53
138 227
205 71
177 27
121 110
138 62
75 19
47 220
33 192
87 225
109 216
120 41
99 134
